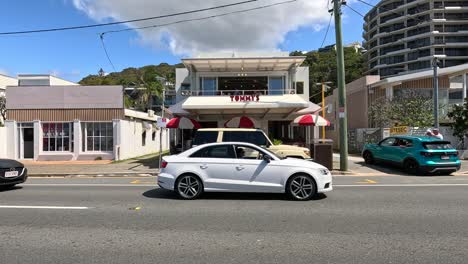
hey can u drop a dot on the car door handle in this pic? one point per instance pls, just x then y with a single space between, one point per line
203 167
240 167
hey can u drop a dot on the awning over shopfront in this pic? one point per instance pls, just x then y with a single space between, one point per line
281 105
243 63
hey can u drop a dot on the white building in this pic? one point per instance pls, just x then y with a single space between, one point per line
72 122
268 87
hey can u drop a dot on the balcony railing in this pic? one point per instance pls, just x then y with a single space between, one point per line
239 92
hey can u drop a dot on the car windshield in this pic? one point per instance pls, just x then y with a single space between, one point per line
438 145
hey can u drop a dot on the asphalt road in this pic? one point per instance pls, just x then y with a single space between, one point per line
364 220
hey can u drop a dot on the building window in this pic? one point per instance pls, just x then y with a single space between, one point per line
57 136
300 87
143 138
275 85
153 136
208 85
97 137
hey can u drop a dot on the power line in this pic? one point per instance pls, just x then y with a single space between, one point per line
105 50
123 22
391 11
354 10
198 19
326 32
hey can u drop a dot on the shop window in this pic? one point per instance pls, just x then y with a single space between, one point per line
57 136
300 87
209 85
97 137
143 138
275 85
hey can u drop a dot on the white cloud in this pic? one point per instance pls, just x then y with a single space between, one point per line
4 72
262 29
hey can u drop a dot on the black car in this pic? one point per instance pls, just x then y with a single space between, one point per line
12 172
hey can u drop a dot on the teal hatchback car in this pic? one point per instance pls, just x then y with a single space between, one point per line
415 154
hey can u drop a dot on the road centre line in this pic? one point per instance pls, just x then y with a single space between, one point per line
44 207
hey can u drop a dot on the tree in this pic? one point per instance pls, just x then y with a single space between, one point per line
322 67
410 108
2 109
459 115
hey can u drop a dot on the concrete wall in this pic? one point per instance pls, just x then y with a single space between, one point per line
182 76
3 142
129 139
302 75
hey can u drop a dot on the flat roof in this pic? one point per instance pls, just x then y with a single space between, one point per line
423 75
218 64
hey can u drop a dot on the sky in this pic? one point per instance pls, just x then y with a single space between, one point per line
72 55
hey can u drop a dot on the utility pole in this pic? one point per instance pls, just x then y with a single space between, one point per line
435 65
323 108
163 82
341 87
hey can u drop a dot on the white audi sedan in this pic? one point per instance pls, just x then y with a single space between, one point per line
241 167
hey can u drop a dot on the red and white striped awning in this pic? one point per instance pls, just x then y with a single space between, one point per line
310 120
183 123
241 122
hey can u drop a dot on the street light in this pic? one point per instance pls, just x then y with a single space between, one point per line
435 65
324 87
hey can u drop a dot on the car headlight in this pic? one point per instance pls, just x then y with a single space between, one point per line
324 171
307 152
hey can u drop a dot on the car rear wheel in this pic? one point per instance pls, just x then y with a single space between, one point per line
411 166
189 187
368 157
301 187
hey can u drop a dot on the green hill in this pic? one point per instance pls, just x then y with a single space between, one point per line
134 77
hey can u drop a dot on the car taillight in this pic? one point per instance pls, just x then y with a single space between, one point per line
426 154
164 164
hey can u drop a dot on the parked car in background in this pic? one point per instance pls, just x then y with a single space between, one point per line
414 154
241 167
12 172
253 136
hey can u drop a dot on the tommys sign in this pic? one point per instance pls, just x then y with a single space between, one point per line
245 98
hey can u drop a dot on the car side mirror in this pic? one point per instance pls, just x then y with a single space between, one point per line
267 158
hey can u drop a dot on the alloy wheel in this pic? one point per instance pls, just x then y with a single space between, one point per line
302 187
189 187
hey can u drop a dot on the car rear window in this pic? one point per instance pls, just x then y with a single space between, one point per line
218 152
203 137
437 145
254 137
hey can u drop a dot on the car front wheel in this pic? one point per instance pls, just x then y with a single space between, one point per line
189 187
301 187
368 157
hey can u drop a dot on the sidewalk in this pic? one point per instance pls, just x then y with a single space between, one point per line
148 166
357 167
142 166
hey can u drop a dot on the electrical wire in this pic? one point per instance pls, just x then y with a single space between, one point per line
391 11
198 19
326 32
354 10
105 50
123 22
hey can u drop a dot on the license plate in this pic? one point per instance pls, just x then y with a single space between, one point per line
444 157
10 174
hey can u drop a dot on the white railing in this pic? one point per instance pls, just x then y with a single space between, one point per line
239 92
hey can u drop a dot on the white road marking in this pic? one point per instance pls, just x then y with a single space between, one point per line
90 184
44 207
402 185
